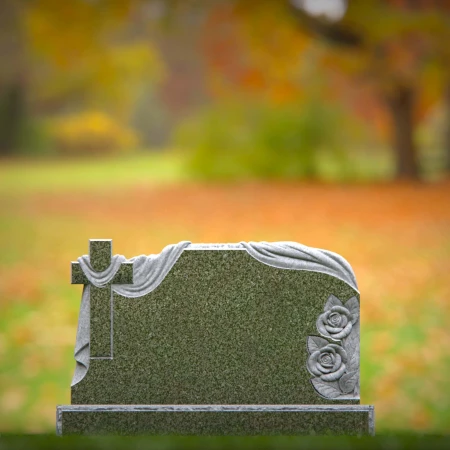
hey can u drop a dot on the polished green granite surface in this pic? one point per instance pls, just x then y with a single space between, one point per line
222 328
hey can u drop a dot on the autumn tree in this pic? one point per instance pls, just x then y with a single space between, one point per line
401 45
13 75
71 55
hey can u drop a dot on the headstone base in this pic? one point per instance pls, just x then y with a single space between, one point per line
215 419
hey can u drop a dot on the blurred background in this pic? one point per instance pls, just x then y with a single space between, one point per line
325 122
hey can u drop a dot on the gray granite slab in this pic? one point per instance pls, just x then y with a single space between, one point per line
216 420
217 326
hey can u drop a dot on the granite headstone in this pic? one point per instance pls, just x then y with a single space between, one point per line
254 338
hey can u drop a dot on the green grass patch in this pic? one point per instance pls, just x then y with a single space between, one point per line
395 441
26 176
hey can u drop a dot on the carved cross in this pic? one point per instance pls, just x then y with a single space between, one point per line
101 299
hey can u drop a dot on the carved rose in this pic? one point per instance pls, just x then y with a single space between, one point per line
335 366
336 323
328 363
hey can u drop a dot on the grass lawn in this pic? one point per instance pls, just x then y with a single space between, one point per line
86 174
396 236
398 441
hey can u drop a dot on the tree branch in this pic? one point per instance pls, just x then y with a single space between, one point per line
335 33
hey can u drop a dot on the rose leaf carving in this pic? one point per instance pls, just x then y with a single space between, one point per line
351 343
315 343
348 382
327 390
332 301
354 362
353 306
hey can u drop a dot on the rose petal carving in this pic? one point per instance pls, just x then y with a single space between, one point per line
336 354
328 325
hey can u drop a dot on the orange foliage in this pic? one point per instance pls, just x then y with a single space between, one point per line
261 50
254 51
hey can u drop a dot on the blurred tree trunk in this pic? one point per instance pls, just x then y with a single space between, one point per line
400 102
12 116
12 77
447 128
